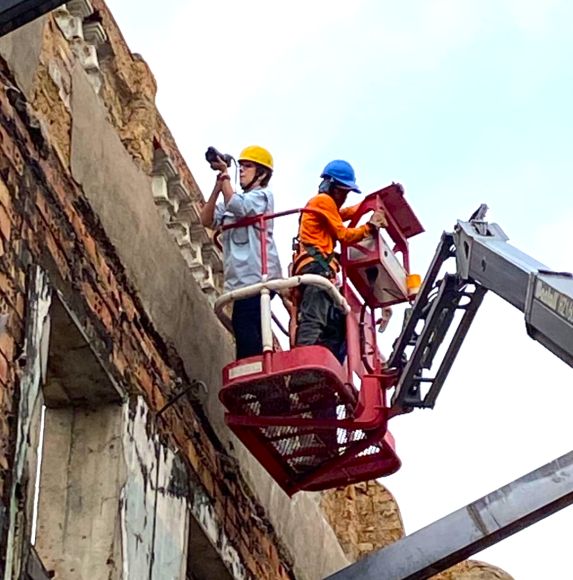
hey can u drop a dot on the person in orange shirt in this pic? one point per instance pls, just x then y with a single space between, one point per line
321 226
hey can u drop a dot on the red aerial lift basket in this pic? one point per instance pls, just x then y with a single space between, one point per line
312 422
303 421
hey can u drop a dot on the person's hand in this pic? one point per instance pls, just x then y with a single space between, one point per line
222 176
287 300
384 319
378 219
220 166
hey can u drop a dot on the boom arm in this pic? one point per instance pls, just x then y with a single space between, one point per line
484 261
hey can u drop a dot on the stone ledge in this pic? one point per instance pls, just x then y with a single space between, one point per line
182 217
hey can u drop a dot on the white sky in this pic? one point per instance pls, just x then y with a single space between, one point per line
463 102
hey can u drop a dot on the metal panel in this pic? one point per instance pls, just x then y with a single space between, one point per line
491 261
544 296
471 529
549 313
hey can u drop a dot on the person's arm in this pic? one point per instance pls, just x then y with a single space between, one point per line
226 187
326 206
208 211
224 179
347 213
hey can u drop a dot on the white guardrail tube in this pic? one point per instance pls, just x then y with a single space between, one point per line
266 318
264 289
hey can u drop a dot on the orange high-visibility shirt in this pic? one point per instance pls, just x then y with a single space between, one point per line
324 226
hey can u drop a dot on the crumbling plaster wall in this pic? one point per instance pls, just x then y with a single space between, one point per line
77 512
22 49
109 252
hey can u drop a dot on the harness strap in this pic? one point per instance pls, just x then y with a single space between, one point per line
318 257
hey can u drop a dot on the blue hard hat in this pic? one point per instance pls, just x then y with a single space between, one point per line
342 172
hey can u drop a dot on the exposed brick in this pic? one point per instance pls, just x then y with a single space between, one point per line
44 219
232 514
7 345
97 305
246 554
5 197
8 289
220 504
158 399
4 370
90 247
127 305
192 455
207 480
144 380
14 324
58 255
119 360
43 208
274 558
20 304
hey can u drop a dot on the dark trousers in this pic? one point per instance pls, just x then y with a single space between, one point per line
320 321
246 321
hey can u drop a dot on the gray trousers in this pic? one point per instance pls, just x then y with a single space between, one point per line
320 322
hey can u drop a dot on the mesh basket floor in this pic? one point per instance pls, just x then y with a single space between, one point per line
305 394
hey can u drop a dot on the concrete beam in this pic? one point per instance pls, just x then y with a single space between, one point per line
76 377
16 13
471 529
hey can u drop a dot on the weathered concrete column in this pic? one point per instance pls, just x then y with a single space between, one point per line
112 499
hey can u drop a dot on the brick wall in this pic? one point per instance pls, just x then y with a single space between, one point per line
46 220
364 516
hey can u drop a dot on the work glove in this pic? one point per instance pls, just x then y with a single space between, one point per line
384 319
378 220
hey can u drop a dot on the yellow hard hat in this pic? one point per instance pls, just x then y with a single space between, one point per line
258 155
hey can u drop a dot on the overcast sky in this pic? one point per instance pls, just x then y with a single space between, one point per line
461 101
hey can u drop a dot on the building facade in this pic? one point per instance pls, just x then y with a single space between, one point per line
107 281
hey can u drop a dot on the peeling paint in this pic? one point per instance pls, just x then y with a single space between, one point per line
205 514
171 522
35 353
137 495
154 513
232 559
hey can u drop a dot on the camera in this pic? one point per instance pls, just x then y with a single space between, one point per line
212 156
